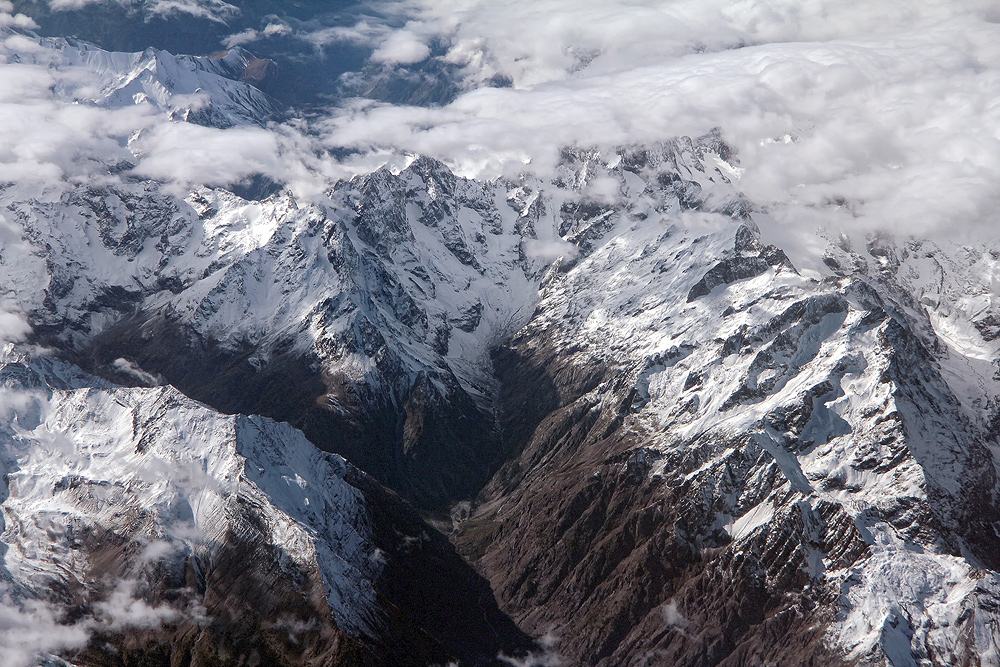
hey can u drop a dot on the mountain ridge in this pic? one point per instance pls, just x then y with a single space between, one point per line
659 440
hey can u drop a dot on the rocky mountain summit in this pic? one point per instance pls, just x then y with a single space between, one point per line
658 439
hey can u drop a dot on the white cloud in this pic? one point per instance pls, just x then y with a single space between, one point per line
272 29
184 156
55 139
364 33
13 326
403 47
31 628
214 10
547 657
247 36
63 5
9 20
250 35
49 142
130 368
124 609
672 615
892 107
549 251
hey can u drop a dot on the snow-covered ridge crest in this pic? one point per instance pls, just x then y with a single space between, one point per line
849 414
172 482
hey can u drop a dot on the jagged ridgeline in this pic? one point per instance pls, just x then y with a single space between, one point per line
366 320
657 439
687 447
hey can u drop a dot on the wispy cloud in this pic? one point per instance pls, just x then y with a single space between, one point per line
8 19
402 47
548 656
214 10
31 628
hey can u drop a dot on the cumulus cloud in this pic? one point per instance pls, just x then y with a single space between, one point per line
856 115
47 141
56 136
403 47
8 19
184 156
273 29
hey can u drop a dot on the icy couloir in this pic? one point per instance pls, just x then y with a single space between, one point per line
157 527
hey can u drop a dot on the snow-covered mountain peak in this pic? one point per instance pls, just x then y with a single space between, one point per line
662 436
215 90
614 344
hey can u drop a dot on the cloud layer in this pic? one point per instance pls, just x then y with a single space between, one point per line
846 114
850 114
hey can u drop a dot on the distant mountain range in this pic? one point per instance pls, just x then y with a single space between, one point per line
427 419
